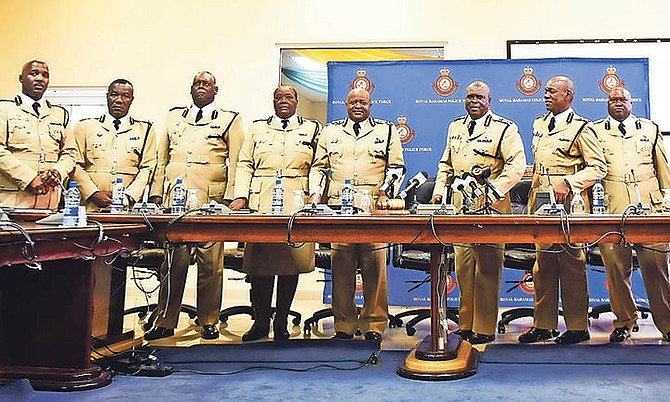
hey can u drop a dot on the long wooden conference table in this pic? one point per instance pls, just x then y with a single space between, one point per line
433 358
46 306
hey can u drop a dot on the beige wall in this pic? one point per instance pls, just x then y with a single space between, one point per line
159 44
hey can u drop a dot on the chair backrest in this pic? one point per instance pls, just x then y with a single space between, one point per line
520 256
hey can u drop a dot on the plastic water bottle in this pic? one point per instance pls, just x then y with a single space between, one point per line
118 196
347 198
366 202
277 198
598 190
192 200
178 196
71 208
577 205
298 201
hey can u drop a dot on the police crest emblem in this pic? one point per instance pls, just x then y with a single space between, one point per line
444 85
610 80
361 81
406 134
528 85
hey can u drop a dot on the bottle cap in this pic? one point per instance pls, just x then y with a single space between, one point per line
278 181
73 183
119 180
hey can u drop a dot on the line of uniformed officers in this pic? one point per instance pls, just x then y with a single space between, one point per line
206 147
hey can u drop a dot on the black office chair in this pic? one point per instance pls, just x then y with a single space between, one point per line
146 261
518 256
417 257
594 258
233 259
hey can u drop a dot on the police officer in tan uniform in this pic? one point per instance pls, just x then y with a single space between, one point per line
279 147
480 138
200 145
37 150
362 149
634 144
114 145
566 148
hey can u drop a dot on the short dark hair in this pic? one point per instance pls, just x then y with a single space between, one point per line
121 81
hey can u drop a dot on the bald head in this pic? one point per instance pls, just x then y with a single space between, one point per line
619 103
285 101
203 89
477 99
358 104
558 94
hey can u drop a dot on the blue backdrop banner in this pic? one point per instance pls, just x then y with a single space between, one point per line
422 97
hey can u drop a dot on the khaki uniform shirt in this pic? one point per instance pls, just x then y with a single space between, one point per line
495 142
30 145
204 154
364 159
270 152
105 154
640 150
570 152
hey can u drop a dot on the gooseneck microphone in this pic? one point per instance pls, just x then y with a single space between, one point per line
460 185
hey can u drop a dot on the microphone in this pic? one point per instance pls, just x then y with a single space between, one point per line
392 176
414 182
472 182
552 208
460 185
482 174
640 208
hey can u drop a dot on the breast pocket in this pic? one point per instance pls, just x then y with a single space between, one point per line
643 148
264 147
378 152
335 150
133 152
56 132
20 135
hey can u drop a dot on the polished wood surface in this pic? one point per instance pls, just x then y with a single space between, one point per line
46 308
403 228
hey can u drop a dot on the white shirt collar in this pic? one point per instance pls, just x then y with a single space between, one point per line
563 116
27 100
122 120
290 119
206 110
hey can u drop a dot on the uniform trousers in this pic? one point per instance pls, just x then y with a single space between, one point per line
478 272
567 268
371 259
654 269
209 260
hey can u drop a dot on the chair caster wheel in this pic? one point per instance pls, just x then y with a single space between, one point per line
410 331
296 321
501 329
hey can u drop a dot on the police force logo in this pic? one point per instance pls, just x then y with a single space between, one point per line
528 85
610 80
361 81
444 85
406 134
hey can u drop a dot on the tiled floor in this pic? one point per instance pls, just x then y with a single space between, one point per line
308 300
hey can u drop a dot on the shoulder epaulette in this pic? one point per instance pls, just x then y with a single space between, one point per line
599 121
459 118
337 122
7 100
263 120
381 121
141 121
178 107
89 118
542 116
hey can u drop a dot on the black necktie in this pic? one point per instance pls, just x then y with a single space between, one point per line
198 116
471 127
116 123
357 128
552 124
36 108
284 123
622 128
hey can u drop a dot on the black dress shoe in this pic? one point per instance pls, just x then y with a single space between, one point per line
477 338
209 332
255 333
463 333
373 336
536 334
158 333
620 334
569 337
342 335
